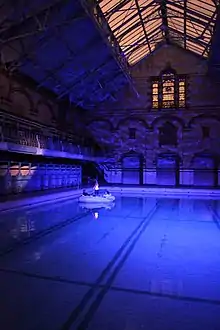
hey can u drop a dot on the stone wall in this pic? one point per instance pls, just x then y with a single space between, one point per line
24 99
24 102
174 147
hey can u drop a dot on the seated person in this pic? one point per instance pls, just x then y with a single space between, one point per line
107 193
84 193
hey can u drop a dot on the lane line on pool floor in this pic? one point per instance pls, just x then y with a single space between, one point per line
46 232
41 234
92 299
160 294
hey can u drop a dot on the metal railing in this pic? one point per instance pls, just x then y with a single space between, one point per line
38 140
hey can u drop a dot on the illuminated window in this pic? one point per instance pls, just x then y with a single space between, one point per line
168 91
181 92
155 94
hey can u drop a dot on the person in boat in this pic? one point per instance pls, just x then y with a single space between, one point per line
107 194
85 193
96 188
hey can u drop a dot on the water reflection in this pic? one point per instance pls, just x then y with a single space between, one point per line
23 226
19 225
94 208
16 225
96 215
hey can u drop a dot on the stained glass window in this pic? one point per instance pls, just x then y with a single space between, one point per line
168 91
155 94
182 93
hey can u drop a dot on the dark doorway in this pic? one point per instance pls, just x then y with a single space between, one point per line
132 169
205 172
168 170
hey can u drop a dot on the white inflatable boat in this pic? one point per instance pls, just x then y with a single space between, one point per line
97 199
95 206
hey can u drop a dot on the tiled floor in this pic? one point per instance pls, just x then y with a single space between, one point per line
145 263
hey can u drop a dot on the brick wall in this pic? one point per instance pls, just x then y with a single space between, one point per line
197 127
24 102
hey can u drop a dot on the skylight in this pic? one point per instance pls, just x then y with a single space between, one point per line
140 25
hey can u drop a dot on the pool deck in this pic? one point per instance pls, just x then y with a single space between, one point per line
171 191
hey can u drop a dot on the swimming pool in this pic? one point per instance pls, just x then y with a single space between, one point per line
142 263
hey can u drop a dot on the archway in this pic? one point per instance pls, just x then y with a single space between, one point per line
168 135
178 122
132 168
168 170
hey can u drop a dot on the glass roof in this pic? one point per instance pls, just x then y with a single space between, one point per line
140 25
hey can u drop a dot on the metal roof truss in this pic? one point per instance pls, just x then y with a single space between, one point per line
140 25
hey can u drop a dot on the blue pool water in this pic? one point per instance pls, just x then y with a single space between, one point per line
141 263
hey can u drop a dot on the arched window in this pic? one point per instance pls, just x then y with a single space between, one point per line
168 135
168 90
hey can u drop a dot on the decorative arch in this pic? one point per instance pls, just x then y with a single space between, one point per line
168 134
51 109
132 153
169 154
205 155
168 118
98 120
196 119
167 70
46 107
132 118
4 86
21 101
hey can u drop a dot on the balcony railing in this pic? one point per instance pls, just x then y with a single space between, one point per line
29 138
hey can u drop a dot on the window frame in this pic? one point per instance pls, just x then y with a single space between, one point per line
157 83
